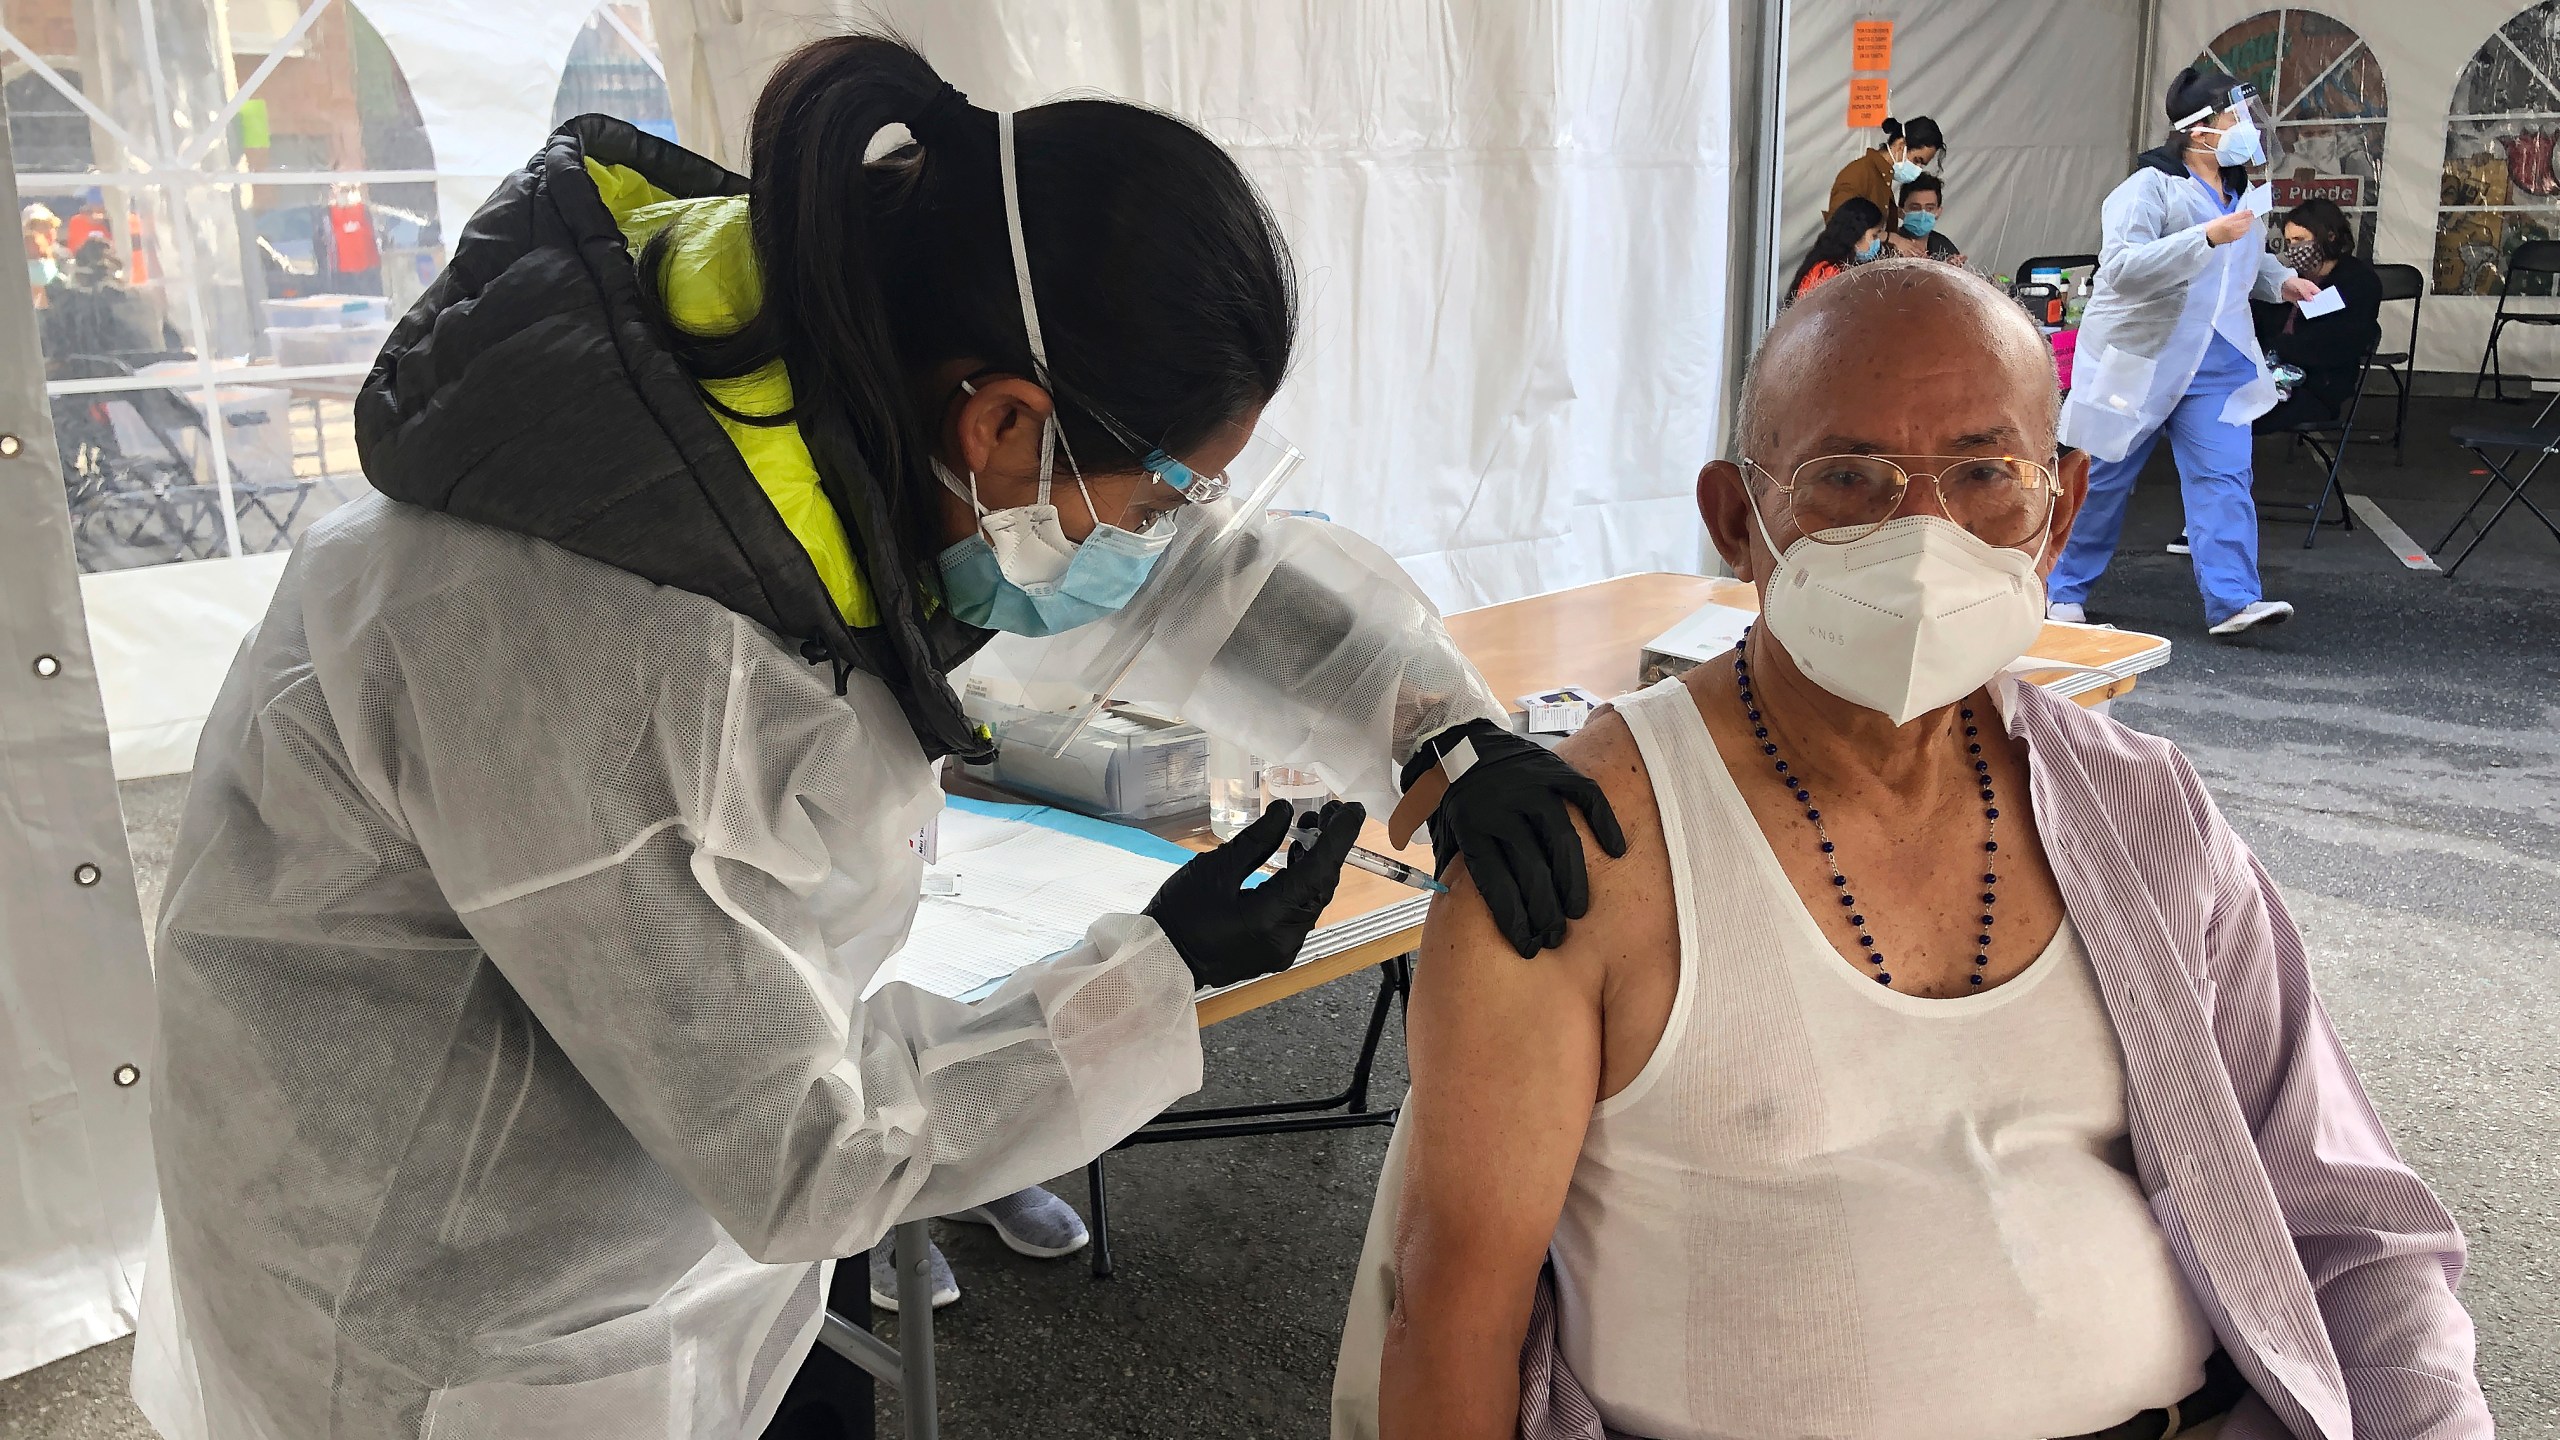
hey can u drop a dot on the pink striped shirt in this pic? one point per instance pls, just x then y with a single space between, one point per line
2325 1264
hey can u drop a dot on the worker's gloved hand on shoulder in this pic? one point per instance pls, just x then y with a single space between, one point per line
1505 812
1227 933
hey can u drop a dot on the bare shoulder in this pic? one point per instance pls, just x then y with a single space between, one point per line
1605 749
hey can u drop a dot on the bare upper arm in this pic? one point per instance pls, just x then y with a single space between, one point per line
1508 1059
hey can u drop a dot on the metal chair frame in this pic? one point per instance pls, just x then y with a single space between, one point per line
2401 365
2327 439
2533 257
2549 445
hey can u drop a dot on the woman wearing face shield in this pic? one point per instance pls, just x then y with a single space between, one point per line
521 1059
2168 344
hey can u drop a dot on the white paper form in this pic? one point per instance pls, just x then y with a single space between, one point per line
1022 893
2258 199
2327 302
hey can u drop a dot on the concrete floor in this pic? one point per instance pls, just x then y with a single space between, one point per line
2394 755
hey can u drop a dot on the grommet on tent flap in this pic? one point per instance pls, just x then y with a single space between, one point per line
47 667
10 445
128 1076
85 875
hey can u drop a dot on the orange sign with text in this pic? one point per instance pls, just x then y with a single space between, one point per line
1871 45
1868 106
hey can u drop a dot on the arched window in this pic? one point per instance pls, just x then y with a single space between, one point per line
220 229
2499 189
2325 89
614 70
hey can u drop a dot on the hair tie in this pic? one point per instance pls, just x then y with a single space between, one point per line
940 114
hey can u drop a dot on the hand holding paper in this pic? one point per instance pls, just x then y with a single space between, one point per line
2327 302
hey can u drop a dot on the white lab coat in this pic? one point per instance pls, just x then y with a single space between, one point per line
2162 292
514 1076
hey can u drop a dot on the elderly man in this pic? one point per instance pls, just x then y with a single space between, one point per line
1937 1062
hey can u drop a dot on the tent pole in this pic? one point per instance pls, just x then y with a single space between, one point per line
1759 109
2144 82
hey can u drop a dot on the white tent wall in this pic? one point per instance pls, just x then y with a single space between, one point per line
2423 49
1509 221
2036 98
484 76
76 1018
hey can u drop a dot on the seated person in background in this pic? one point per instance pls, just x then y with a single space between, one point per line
1853 235
1917 235
2320 245
1896 1087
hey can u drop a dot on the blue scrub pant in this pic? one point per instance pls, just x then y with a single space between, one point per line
2214 475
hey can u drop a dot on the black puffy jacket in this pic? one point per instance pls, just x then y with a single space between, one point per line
528 390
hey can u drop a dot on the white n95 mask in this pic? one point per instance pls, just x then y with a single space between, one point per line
1916 614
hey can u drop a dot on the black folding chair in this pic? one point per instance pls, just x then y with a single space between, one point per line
2400 282
141 509
2541 437
2327 441
2534 257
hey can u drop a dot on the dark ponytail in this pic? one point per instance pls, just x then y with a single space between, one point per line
1892 131
1838 242
1165 293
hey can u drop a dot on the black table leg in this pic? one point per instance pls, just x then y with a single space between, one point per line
1098 1196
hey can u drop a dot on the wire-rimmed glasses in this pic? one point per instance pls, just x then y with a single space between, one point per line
1836 499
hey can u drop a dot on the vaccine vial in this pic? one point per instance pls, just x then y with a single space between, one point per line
1235 788
1304 789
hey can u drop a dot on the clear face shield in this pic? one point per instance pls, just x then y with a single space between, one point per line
2245 127
1217 525
1166 491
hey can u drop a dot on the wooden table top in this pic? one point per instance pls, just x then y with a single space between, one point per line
1590 635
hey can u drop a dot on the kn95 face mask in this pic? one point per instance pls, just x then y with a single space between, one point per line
1916 614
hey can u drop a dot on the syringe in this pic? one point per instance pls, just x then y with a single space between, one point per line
1396 870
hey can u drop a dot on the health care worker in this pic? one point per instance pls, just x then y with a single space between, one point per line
2167 342
516 1076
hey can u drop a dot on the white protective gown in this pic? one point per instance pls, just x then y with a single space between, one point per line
2162 292
514 1077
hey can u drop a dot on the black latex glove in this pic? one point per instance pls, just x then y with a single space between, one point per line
1507 817
1227 933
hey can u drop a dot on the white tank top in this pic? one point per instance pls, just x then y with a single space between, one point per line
1827 1208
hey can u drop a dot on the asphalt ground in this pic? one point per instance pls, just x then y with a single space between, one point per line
2393 754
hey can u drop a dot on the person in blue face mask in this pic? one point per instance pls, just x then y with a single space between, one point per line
1854 235
1919 235
2168 346
554 840
1904 153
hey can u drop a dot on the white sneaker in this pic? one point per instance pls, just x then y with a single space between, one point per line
2180 546
2067 612
2260 612
1032 1222
884 1275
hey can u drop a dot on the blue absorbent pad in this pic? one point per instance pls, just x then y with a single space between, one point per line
1068 822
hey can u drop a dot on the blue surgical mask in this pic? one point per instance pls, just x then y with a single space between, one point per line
1904 172
1870 250
1039 582
2239 145
1019 572
1918 224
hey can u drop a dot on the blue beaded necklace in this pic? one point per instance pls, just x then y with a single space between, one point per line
1830 853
